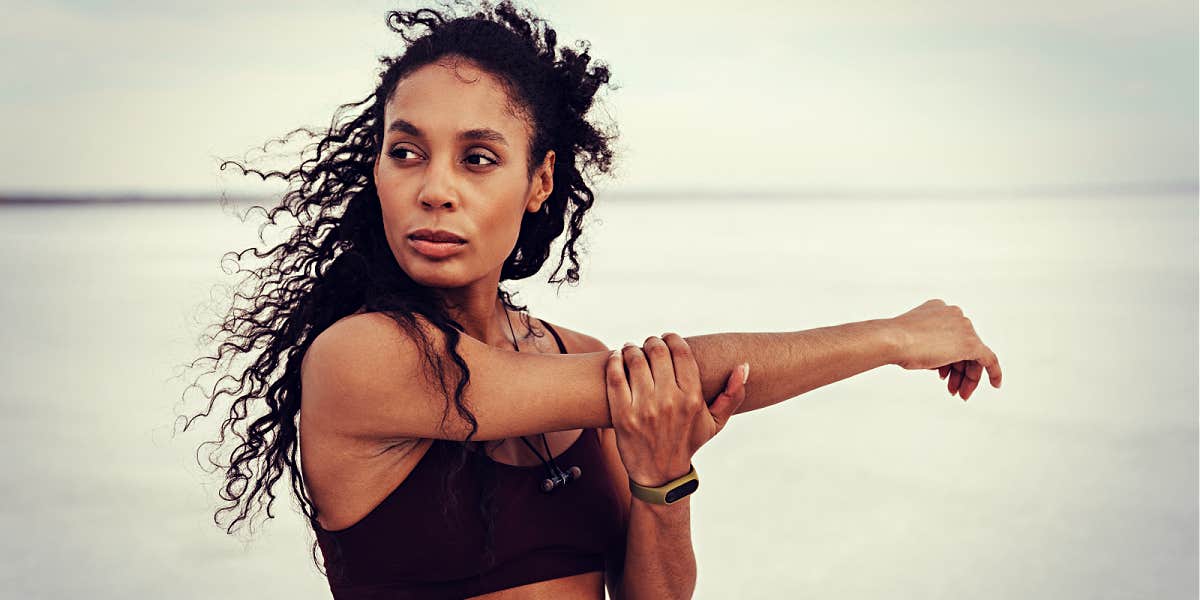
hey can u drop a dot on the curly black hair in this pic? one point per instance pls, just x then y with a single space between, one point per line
338 261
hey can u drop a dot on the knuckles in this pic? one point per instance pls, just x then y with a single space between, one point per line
615 374
657 351
665 404
629 423
649 414
632 354
679 346
685 406
654 346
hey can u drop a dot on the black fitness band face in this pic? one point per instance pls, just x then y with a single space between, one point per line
682 491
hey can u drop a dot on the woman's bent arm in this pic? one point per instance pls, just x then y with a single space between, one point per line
364 377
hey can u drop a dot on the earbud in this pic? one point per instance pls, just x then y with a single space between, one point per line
560 479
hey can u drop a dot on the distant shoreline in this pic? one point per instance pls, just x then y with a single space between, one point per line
1083 190
71 199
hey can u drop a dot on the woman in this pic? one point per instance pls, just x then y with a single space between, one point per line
436 451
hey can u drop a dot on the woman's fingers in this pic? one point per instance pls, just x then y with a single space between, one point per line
640 381
992 364
972 374
955 378
965 375
687 373
619 396
661 366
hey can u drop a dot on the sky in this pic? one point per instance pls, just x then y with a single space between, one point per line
140 97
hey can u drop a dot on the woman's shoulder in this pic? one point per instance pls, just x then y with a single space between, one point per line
575 342
372 328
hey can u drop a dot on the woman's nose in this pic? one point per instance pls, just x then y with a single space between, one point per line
430 202
438 189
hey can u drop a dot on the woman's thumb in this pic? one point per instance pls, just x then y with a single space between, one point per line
734 394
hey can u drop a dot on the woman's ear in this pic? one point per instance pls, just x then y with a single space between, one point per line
543 183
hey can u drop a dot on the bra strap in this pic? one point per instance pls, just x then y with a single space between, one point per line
561 347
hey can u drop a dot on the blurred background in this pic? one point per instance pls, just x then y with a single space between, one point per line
781 167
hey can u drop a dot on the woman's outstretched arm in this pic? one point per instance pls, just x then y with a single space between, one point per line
788 364
364 377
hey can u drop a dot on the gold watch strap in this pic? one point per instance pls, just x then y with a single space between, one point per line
669 492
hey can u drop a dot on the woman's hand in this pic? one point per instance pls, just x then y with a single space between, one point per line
937 336
658 411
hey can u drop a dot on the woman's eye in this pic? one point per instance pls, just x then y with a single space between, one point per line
474 158
399 153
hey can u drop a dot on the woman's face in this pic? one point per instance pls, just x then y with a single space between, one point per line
454 158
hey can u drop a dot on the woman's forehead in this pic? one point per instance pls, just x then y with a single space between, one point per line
447 97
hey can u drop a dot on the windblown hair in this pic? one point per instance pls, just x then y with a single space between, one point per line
337 260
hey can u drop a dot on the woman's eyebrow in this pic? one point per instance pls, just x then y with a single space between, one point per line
478 134
483 135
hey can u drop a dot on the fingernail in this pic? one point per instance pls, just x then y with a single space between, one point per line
746 372
628 344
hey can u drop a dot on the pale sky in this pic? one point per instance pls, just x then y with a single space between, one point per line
145 97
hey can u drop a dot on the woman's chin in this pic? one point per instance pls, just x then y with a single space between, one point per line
436 275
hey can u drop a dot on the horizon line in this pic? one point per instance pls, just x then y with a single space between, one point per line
668 193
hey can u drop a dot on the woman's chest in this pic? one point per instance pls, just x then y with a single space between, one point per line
487 526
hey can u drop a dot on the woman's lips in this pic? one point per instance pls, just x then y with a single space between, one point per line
436 249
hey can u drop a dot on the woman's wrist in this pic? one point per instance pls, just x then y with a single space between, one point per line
682 505
668 493
658 478
895 339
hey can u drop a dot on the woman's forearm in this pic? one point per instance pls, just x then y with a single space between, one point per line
659 560
785 365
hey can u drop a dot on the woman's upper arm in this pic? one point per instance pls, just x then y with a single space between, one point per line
365 376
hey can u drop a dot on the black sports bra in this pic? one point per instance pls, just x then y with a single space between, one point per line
406 548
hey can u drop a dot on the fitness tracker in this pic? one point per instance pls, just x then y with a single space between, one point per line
669 492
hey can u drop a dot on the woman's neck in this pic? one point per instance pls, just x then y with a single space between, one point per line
481 313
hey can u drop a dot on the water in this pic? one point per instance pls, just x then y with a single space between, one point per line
1078 479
